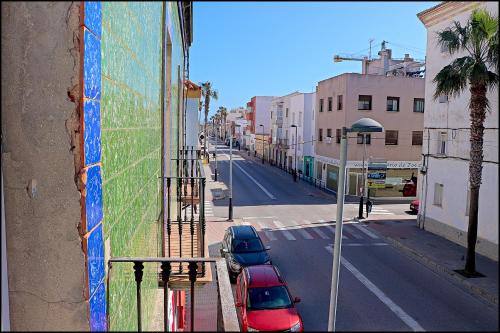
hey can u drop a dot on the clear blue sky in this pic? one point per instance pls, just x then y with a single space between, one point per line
273 48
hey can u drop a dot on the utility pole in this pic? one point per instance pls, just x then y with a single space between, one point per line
262 137
230 218
370 54
216 142
296 143
361 199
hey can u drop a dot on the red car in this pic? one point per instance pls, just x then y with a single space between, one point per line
264 303
414 206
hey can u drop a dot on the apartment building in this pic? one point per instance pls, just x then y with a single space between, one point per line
293 109
394 101
444 190
257 113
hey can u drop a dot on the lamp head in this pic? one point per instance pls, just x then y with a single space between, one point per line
366 125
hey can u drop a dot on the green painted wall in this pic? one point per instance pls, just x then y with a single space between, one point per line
131 149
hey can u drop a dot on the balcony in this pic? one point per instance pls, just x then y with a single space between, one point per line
278 121
224 316
184 222
283 143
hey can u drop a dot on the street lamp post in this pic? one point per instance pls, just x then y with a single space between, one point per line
364 125
296 143
361 199
216 142
230 217
262 137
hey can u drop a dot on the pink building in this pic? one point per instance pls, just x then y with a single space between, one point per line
397 102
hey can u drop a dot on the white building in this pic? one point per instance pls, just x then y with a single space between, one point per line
444 187
293 109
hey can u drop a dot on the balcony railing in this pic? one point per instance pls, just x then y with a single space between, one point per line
283 143
185 213
227 319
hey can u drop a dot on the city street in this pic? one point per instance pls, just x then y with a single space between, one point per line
380 287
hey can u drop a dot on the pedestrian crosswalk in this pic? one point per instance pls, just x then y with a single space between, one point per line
380 211
294 230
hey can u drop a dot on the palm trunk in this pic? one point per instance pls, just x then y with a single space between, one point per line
207 103
477 109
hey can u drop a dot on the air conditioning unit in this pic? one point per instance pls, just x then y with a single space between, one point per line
328 139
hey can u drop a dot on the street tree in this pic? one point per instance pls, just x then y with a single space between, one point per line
476 71
208 93
223 114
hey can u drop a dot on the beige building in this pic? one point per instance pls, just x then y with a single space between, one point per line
394 101
443 189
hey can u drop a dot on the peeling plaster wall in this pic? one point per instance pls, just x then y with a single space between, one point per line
40 161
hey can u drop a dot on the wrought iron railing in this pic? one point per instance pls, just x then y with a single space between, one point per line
226 319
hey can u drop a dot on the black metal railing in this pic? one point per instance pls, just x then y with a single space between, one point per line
189 202
227 321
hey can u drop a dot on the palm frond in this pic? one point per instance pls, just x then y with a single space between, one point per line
453 39
452 79
215 94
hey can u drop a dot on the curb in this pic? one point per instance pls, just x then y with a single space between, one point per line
438 268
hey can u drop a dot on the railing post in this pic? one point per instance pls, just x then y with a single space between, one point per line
138 271
166 269
202 214
169 221
192 217
108 325
193 271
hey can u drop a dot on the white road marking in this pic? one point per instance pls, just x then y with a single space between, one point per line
365 230
406 318
332 229
301 231
352 232
288 235
268 234
256 182
320 233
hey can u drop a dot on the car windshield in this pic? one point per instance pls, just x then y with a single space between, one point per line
247 245
268 298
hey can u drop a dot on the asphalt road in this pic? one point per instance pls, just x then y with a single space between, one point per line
380 289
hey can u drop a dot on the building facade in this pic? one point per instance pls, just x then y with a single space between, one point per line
89 128
257 113
293 109
443 193
394 101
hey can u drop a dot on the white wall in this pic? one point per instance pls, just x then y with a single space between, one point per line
192 125
308 121
453 118
263 113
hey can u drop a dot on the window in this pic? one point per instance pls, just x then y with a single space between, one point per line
418 105
329 132
368 138
320 136
365 102
391 138
438 194
442 138
392 103
321 105
300 119
339 102
299 142
330 103
443 98
286 112
416 138
339 134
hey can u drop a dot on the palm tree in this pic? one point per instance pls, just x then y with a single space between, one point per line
207 92
223 114
477 71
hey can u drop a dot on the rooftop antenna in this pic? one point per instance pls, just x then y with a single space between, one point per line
370 54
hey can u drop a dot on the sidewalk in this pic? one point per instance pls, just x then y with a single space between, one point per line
440 255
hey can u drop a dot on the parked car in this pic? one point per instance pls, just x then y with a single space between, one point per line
414 206
264 302
243 247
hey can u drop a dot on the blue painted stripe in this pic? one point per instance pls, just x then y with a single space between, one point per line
92 131
92 17
91 66
95 259
98 309
93 197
